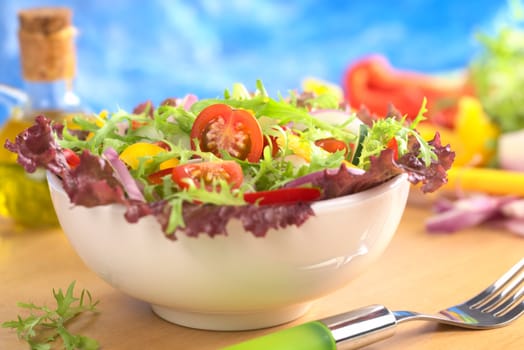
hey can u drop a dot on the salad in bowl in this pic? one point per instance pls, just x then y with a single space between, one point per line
246 155
268 203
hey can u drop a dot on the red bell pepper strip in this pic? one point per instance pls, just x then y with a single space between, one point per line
372 82
393 145
72 159
283 196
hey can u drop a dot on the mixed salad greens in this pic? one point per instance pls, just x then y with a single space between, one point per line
498 72
196 164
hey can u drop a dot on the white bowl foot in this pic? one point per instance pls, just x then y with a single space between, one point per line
232 321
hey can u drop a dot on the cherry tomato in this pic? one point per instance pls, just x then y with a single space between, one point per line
135 124
271 141
145 107
163 145
333 145
220 128
170 101
205 173
156 177
393 145
71 157
283 196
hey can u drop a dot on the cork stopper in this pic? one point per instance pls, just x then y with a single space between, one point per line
47 48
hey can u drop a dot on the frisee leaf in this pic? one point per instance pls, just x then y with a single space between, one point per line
45 327
385 129
221 193
324 101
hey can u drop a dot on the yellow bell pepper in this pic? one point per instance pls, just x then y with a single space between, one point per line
99 121
135 152
486 180
473 137
296 145
320 87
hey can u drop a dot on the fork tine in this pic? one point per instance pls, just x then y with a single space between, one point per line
500 298
505 306
513 313
487 293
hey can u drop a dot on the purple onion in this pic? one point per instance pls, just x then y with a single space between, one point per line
123 174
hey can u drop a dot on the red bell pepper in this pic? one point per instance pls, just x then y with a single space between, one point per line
372 82
289 195
72 159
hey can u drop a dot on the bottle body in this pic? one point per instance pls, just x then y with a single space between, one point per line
25 197
48 57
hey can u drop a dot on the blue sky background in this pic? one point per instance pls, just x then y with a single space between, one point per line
129 51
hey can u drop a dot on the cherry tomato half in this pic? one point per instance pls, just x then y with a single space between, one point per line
272 142
205 173
71 157
283 196
163 145
146 106
156 177
135 124
220 128
393 145
333 145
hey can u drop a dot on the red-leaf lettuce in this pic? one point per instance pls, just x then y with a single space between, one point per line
93 182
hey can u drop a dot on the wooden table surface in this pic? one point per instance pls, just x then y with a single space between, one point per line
419 271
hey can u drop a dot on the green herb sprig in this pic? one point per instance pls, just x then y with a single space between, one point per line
45 328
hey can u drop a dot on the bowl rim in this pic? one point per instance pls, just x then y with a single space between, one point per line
342 201
55 183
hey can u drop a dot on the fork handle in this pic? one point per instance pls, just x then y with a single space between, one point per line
350 330
360 327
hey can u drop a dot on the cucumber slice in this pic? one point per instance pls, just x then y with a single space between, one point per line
362 133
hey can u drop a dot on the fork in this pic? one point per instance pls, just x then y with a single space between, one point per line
496 306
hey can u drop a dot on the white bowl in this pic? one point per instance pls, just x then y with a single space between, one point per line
238 281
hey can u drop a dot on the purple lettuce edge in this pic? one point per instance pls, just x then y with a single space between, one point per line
93 182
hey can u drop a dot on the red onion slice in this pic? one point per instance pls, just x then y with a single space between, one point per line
122 173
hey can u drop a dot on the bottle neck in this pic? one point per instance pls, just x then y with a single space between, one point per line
52 95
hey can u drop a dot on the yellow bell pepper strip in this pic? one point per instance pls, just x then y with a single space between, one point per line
474 137
319 87
296 145
99 120
486 180
170 163
133 153
475 129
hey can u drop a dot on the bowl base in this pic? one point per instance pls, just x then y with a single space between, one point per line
232 321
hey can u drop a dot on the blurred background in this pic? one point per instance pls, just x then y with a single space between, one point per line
130 51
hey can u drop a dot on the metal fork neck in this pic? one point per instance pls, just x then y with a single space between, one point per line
357 328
